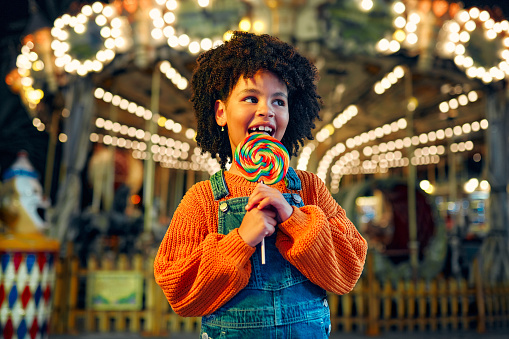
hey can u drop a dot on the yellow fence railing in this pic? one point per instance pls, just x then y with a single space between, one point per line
372 307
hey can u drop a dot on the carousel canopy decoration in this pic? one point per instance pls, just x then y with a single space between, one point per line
392 26
478 44
381 157
173 75
194 24
86 42
341 119
358 140
29 72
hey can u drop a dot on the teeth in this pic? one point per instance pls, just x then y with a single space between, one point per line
262 129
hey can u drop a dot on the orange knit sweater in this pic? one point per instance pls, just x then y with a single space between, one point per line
199 269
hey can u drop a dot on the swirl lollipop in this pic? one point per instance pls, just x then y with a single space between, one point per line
262 158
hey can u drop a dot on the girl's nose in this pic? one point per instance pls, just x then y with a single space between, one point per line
265 109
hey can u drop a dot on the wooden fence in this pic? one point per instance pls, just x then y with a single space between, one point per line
370 308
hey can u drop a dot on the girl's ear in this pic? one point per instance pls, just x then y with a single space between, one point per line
220 109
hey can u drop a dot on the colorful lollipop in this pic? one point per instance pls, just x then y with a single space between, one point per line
263 158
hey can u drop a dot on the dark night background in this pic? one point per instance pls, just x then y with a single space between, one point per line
16 129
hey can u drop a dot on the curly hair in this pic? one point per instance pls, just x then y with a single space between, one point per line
218 71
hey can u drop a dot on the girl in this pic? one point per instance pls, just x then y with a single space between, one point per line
208 263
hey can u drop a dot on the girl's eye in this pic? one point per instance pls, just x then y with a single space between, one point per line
279 102
251 100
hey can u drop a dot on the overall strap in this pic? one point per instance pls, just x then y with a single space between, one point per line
292 180
219 188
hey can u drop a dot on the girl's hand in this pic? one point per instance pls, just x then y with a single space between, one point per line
256 225
265 197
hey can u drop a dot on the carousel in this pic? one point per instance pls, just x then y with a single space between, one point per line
98 149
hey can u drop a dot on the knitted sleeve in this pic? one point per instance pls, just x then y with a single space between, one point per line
321 241
197 268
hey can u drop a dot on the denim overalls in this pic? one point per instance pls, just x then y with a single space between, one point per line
278 301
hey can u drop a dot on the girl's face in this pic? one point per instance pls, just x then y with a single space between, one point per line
257 104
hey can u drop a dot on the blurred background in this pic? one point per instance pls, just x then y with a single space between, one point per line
97 149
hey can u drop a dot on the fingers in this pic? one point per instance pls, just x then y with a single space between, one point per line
267 198
260 193
256 225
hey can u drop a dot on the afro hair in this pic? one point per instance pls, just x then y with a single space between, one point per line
218 71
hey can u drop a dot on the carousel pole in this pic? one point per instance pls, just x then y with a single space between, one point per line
413 243
149 166
50 157
494 252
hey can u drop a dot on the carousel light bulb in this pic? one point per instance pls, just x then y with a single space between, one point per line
164 66
463 16
463 100
108 11
100 56
471 72
168 31
116 23
173 41
206 44
97 7
399 35
366 5
105 32
158 22
183 40
156 34
59 23
194 47
399 7
182 84
460 49
258 26
169 17
171 5
464 37
411 27
470 25
399 22
472 96
474 12
443 107
107 97
170 72
82 70
82 18
101 20
97 66
412 38
73 21
459 60
63 35
484 16
154 13
80 28
148 115
88 65
109 43
414 18
394 46
203 3
177 127
454 37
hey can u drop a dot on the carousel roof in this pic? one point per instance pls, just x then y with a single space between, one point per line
370 88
